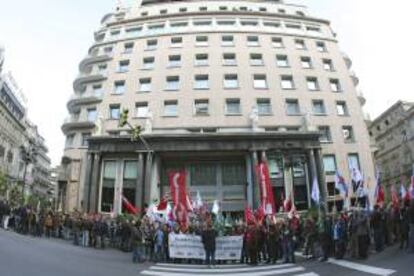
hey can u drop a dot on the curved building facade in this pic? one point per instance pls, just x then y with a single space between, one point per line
217 86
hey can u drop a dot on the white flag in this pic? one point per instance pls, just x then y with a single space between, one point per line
315 191
216 208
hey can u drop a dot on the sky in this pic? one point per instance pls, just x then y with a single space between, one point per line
46 39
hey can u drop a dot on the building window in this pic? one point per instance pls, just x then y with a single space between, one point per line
275 166
141 109
256 60
164 11
92 113
148 63
264 106
328 65
318 107
335 85
201 60
173 83
203 174
134 31
97 90
115 33
259 81
226 22
145 85
128 48
174 61
123 66
119 87
233 107
282 61
230 81
108 186
353 161
229 59
201 107
152 44
68 144
300 44
292 107
202 40
234 173
287 82
321 46
277 42
253 41
201 82
348 134
325 132
203 8
129 183
102 68
171 108
85 137
108 50
178 24
114 111
144 13
176 42
306 62
312 83
183 10
227 40
341 109
329 164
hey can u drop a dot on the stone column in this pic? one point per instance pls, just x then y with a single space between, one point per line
321 179
250 180
88 182
140 181
95 184
155 192
147 179
288 177
255 190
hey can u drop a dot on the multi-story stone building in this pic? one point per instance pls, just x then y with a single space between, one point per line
23 154
217 86
393 133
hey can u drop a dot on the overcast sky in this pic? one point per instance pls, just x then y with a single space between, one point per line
46 39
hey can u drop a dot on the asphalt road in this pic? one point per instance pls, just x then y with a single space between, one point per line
23 256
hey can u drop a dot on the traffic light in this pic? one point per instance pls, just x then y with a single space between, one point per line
123 119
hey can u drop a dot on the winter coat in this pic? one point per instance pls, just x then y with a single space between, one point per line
208 238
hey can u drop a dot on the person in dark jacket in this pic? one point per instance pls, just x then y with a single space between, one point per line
377 224
410 215
208 238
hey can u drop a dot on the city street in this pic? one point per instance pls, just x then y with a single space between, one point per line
23 255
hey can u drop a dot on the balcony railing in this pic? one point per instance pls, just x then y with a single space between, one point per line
93 58
347 60
361 98
88 97
354 78
80 82
72 123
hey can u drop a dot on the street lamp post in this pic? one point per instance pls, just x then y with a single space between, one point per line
28 156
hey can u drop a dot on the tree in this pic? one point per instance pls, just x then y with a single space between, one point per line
3 184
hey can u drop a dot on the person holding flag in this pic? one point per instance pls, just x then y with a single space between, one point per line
343 189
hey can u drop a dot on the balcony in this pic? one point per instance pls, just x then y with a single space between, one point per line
354 78
80 82
74 123
94 58
347 60
361 98
89 97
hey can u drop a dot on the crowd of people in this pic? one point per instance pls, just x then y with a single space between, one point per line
351 234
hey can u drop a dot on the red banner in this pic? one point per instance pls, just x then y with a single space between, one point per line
267 200
179 196
128 206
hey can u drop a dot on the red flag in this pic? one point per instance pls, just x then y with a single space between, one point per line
287 204
267 200
130 208
260 214
248 216
179 196
394 197
163 204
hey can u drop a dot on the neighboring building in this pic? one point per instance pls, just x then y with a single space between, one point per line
19 135
393 132
217 86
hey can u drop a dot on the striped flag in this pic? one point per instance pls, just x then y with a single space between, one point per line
379 190
394 197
